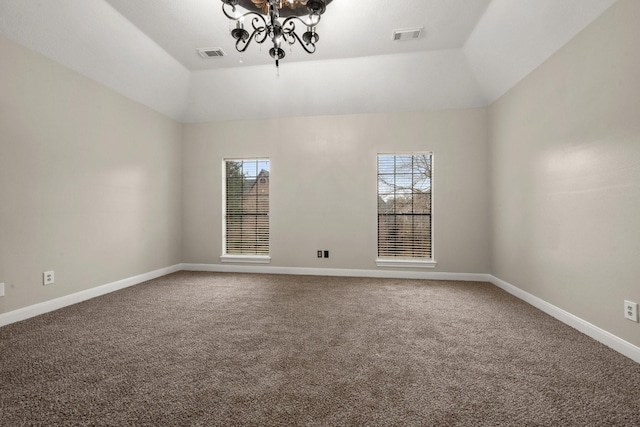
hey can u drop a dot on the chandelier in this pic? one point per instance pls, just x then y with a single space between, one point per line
265 23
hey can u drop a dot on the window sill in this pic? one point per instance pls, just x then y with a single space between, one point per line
406 262
249 259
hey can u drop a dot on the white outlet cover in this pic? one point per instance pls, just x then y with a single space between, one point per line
48 278
1 289
631 310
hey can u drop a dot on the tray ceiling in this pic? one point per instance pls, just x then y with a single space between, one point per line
470 53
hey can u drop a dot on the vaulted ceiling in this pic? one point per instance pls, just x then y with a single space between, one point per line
470 53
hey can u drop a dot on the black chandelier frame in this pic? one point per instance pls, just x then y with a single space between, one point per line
269 27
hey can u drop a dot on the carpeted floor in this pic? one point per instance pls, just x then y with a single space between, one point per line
207 349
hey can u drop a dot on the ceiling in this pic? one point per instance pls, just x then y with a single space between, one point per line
180 27
470 53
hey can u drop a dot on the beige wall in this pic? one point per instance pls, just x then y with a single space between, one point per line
565 175
323 185
90 182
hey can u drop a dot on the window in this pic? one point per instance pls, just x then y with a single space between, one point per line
246 210
404 210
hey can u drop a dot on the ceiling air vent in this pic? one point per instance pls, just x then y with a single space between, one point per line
212 52
407 34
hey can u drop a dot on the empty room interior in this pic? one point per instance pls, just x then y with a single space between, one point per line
417 212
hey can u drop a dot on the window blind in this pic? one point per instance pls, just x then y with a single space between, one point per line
247 207
404 206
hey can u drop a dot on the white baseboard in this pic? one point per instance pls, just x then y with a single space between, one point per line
598 334
67 300
606 338
340 272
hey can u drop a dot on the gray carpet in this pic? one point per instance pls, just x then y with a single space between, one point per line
206 349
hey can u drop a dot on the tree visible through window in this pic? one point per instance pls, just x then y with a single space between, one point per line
247 207
404 206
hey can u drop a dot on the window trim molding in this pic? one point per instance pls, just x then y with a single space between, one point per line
237 258
399 262
406 262
249 259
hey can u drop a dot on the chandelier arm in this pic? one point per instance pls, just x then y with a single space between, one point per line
233 17
243 44
260 28
303 44
286 32
227 14
308 23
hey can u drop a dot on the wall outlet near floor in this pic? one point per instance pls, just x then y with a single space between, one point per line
631 310
1 289
48 278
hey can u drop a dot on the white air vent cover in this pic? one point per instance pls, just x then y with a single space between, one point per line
211 52
407 34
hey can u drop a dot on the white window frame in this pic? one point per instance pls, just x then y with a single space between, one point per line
407 262
237 258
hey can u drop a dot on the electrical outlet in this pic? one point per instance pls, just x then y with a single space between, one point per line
631 310
319 254
48 278
326 254
1 289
